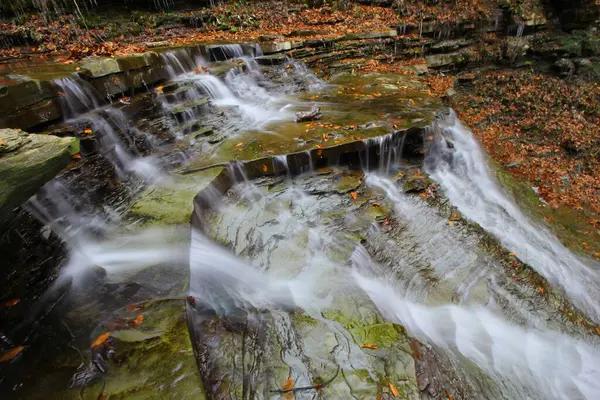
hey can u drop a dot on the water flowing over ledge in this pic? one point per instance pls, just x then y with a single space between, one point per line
333 270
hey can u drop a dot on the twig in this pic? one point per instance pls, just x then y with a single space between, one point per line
315 387
193 170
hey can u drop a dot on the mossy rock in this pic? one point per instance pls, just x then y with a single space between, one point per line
172 204
27 163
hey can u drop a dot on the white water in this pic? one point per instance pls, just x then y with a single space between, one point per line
82 105
528 363
525 362
458 164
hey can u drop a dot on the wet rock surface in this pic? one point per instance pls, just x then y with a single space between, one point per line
27 162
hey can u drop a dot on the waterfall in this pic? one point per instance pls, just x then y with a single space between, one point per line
457 163
81 106
180 61
527 363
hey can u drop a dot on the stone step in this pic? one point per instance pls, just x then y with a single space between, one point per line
193 107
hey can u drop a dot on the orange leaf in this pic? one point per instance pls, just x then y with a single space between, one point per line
159 89
353 195
87 131
512 254
239 144
451 223
394 389
10 303
289 387
264 168
76 156
12 353
137 321
289 384
541 290
100 339
369 346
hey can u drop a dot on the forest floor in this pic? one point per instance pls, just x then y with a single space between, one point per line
122 32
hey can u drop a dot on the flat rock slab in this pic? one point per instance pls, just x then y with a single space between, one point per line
27 162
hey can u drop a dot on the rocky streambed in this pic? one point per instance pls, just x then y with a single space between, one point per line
206 245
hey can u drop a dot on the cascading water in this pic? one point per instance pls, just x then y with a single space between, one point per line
456 161
302 246
82 106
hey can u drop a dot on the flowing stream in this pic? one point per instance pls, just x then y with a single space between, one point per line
278 251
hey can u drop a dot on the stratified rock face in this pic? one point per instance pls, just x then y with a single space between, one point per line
27 162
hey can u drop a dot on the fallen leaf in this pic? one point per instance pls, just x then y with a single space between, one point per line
10 303
369 346
393 389
76 156
159 89
289 386
137 321
353 195
77 69
191 299
541 290
239 144
87 131
597 330
134 307
512 255
10 354
264 168
100 339
451 223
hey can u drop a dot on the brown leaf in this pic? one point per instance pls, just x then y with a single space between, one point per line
353 195
76 156
159 89
451 223
369 346
100 339
264 168
541 290
10 303
134 307
10 354
393 389
239 144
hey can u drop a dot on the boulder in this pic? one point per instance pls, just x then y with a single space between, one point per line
565 66
27 162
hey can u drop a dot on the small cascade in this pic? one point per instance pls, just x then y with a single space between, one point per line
526 363
520 29
82 107
283 162
233 50
76 96
456 161
389 149
181 61
258 52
